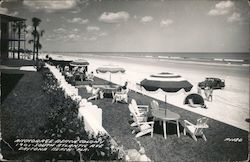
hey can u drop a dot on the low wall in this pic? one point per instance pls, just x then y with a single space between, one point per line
91 114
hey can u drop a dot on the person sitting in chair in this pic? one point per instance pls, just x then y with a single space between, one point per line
121 94
96 92
90 76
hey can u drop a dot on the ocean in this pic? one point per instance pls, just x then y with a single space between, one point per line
227 58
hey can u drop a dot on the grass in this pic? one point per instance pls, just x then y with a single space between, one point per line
34 110
23 111
8 82
116 121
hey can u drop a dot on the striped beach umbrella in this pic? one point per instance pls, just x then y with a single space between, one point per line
168 82
79 63
110 69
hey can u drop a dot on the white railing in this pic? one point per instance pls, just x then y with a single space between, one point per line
91 114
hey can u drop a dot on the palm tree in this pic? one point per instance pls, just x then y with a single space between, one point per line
20 25
35 23
38 44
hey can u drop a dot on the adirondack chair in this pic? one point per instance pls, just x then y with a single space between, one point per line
120 96
196 130
140 118
93 91
140 110
143 127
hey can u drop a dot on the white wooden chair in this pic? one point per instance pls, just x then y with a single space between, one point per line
140 110
143 127
196 130
120 96
93 91
140 118
90 77
154 105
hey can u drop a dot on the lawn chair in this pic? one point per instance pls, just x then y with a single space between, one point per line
143 127
90 77
140 110
154 105
140 118
196 130
120 96
94 91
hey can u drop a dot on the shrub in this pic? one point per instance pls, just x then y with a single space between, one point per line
63 123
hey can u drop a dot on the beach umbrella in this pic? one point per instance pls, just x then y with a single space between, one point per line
79 63
168 82
110 69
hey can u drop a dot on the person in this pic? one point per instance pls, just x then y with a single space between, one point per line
121 94
81 73
91 76
210 96
206 91
199 90
122 88
96 92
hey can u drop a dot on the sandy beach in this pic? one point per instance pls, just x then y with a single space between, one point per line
230 105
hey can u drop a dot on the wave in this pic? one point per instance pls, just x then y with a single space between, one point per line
237 58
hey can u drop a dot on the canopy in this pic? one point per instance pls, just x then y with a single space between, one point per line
168 82
79 63
110 68
196 98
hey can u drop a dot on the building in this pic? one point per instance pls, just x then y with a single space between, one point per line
12 33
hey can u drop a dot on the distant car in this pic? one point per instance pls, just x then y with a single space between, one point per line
214 83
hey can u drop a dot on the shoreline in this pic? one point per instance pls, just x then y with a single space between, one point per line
234 99
186 60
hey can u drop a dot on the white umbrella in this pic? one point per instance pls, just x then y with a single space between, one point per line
110 69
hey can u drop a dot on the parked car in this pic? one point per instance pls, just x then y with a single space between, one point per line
214 83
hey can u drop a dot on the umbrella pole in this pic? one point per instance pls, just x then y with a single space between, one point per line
165 98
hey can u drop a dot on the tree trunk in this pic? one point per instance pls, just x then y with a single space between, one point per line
34 45
19 37
37 46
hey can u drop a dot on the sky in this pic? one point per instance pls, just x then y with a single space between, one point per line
137 25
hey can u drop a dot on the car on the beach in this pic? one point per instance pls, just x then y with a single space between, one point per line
214 83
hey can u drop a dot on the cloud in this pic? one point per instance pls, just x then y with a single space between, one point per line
221 8
75 30
78 10
111 17
102 34
73 36
3 10
167 22
78 20
215 12
92 28
93 38
15 13
224 5
29 28
234 17
50 6
147 19
59 30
